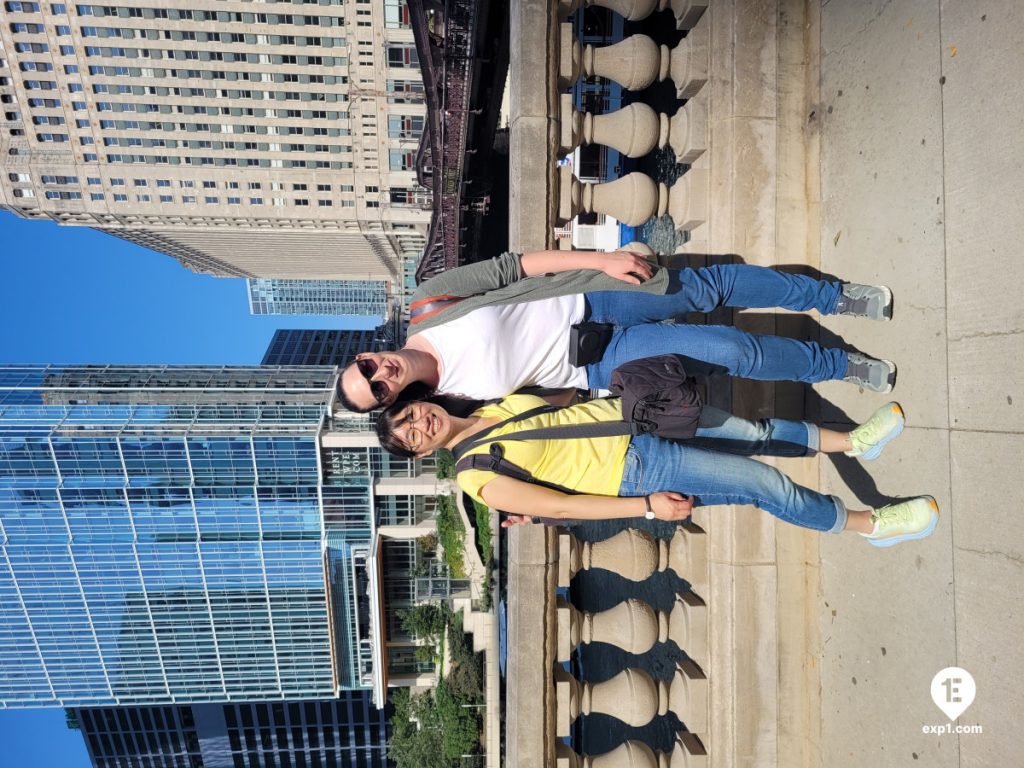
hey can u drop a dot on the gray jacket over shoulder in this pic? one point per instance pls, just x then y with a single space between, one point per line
501 281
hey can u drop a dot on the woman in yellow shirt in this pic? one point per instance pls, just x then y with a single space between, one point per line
648 476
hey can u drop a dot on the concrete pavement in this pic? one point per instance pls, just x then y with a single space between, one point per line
922 173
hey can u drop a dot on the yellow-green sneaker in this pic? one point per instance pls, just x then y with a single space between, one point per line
872 436
906 521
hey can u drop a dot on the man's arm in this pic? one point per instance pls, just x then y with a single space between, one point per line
632 268
508 268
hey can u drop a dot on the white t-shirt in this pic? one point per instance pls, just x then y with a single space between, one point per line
494 351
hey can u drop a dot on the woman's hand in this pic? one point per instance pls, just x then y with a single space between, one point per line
629 267
669 505
511 520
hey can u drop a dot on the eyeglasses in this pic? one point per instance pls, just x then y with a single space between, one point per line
378 389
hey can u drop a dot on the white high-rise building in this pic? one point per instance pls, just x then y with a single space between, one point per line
257 139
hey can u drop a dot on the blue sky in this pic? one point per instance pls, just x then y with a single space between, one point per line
73 295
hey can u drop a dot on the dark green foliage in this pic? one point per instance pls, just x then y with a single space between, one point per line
445 464
452 535
483 532
461 727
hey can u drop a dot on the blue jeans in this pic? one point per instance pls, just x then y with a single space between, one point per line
715 477
639 330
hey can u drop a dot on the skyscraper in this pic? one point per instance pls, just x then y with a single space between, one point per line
318 297
195 534
319 347
189 130
168 551
346 731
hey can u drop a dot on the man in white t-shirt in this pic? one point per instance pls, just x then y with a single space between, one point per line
487 330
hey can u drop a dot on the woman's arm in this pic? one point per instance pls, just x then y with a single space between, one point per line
517 497
632 268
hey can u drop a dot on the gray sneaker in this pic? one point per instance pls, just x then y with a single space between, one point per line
867 372
870 301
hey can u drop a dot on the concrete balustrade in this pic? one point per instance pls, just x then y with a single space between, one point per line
686 696
635 627
632 696
635 555
686 753
632 625
633 199
688 628
635 130
637 61
686 12
630 10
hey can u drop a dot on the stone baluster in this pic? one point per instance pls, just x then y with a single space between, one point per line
632 696
689 199
635 555
635 754
630 10
688 627
687 555
687 696
632 553
632 625
637 61
635 627
642 248
633 199
687 12
637 129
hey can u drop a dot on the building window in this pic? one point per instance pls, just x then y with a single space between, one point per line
403 55
401 159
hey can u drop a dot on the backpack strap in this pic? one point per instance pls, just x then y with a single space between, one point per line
424 308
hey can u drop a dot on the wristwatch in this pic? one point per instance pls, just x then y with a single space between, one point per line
649 514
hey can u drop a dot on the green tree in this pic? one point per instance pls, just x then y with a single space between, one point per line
425 621
416 732
461 727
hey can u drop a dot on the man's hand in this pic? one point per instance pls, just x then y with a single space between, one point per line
629 267
511 520
669 505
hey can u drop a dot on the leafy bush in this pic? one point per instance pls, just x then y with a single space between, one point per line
445 464
452 535
483 532
461 735
427 543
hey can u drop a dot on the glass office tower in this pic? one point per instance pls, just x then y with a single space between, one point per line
276 296
161 535
347 731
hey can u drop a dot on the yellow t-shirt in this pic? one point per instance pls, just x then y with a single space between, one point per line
589 465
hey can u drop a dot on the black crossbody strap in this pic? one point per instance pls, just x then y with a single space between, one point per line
464 445
562 432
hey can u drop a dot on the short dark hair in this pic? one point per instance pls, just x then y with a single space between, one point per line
344 399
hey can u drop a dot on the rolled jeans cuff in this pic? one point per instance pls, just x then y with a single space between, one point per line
840 525
813 438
